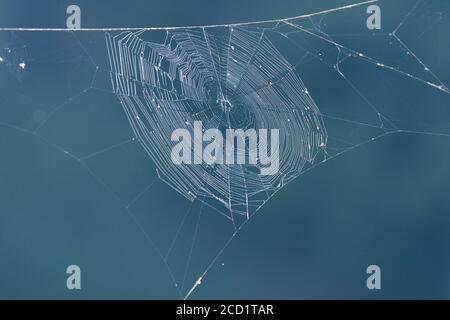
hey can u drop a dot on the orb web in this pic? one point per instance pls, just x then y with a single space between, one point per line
228 77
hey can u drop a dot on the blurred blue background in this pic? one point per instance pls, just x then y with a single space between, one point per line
385 202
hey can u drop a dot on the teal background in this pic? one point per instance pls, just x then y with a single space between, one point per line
383 203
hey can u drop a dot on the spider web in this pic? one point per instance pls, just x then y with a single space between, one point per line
248 75
187 79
